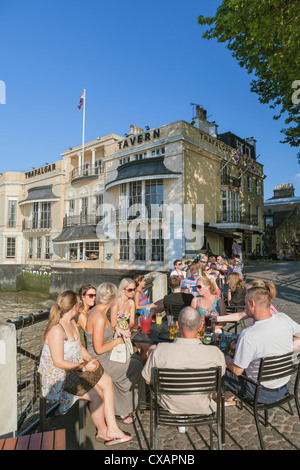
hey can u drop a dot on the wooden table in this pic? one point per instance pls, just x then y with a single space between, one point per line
50 440
153 336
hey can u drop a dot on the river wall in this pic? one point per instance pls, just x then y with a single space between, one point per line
53 281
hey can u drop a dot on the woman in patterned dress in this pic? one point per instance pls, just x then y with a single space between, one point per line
62 351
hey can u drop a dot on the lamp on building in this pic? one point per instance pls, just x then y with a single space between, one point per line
147 128
109 255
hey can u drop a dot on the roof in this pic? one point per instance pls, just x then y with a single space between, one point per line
40 193
281 200
81 233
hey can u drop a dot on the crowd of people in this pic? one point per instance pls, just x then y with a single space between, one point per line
86 327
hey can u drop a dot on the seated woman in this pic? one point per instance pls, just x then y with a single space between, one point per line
100 342
62 351
87 294
122 313
208 303
237 291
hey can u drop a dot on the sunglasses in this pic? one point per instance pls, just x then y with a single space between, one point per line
90 296
130 290
199 286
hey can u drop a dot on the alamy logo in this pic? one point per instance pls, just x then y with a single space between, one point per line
2 92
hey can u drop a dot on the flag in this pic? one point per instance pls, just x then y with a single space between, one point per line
81 101
238 158
252 166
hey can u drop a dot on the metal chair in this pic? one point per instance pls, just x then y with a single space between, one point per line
272 368
186 382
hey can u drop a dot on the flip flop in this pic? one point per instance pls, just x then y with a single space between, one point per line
126 417
122 440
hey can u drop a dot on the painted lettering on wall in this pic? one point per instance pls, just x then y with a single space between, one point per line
40 171
139 139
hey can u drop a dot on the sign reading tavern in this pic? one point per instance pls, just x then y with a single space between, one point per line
40 171
139 139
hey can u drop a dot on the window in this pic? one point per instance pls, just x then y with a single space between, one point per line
30 247
99 167
140 156
124 246
157 246
230 206
12 212
92 250
135 193
249 183
124 160
257 186
98 200
35 215
10 247
84 209
140 246
258 214
46 215
157 152
85 169
39 247
73 251
47 248
71 207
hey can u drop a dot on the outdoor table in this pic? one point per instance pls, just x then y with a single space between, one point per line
155 336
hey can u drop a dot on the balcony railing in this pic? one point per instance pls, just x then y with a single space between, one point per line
34 224
237 217
230 181
86 171
82 219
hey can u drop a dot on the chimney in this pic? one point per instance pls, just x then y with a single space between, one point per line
251 141
213 129
284 190
200 119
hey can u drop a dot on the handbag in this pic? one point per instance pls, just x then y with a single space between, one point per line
119 352
79 381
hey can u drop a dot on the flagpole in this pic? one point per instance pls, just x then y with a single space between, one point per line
248 167
83 129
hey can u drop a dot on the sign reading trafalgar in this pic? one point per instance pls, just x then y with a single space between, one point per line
139 139
40 171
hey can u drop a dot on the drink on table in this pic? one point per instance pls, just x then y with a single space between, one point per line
201 330
158 319
173 330
146 323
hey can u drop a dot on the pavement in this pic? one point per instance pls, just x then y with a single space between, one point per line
282 433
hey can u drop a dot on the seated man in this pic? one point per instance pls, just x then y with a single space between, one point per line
186 352
174 302
270 335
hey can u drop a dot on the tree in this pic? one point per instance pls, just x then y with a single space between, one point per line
264 36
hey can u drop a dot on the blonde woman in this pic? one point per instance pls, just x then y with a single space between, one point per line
208 303
122 313
100 342
62 351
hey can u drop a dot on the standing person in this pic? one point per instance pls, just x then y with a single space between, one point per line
100 342
140 298
271 335
87 294
178 269
233 267
208 303
174 302
122 313
62 351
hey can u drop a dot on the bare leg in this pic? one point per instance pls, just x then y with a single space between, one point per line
95 397
105 384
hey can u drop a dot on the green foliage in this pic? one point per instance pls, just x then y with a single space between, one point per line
264 37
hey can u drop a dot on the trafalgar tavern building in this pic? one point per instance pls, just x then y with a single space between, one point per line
137 201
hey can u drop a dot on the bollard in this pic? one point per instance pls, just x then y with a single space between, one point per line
8 380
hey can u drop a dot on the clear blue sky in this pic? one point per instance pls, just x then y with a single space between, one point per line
142 63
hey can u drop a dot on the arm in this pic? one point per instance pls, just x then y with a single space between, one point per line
81 320
98 338
232 367
222 307
114 315
233 317
132 316
137 302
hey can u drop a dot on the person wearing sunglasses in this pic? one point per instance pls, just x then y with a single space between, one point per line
208 303
140 298
122 314
178 269
87 294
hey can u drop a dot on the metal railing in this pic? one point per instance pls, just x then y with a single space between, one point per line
237 217
86 171
230 181
82 219
34 224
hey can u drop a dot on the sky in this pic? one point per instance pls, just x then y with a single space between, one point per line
141 63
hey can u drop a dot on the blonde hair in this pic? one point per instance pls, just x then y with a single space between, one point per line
106 293
235 282
125 283
211 284
266 285
65 302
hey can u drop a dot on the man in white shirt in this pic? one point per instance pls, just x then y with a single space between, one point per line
270 335
186 352
178 269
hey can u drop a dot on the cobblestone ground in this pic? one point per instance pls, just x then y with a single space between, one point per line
283 431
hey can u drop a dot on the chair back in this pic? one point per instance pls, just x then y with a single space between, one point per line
277 367
187 382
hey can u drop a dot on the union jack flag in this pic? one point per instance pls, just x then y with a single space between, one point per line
238 158
81 101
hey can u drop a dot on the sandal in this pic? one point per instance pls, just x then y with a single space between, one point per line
119 418
101 439
122 440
